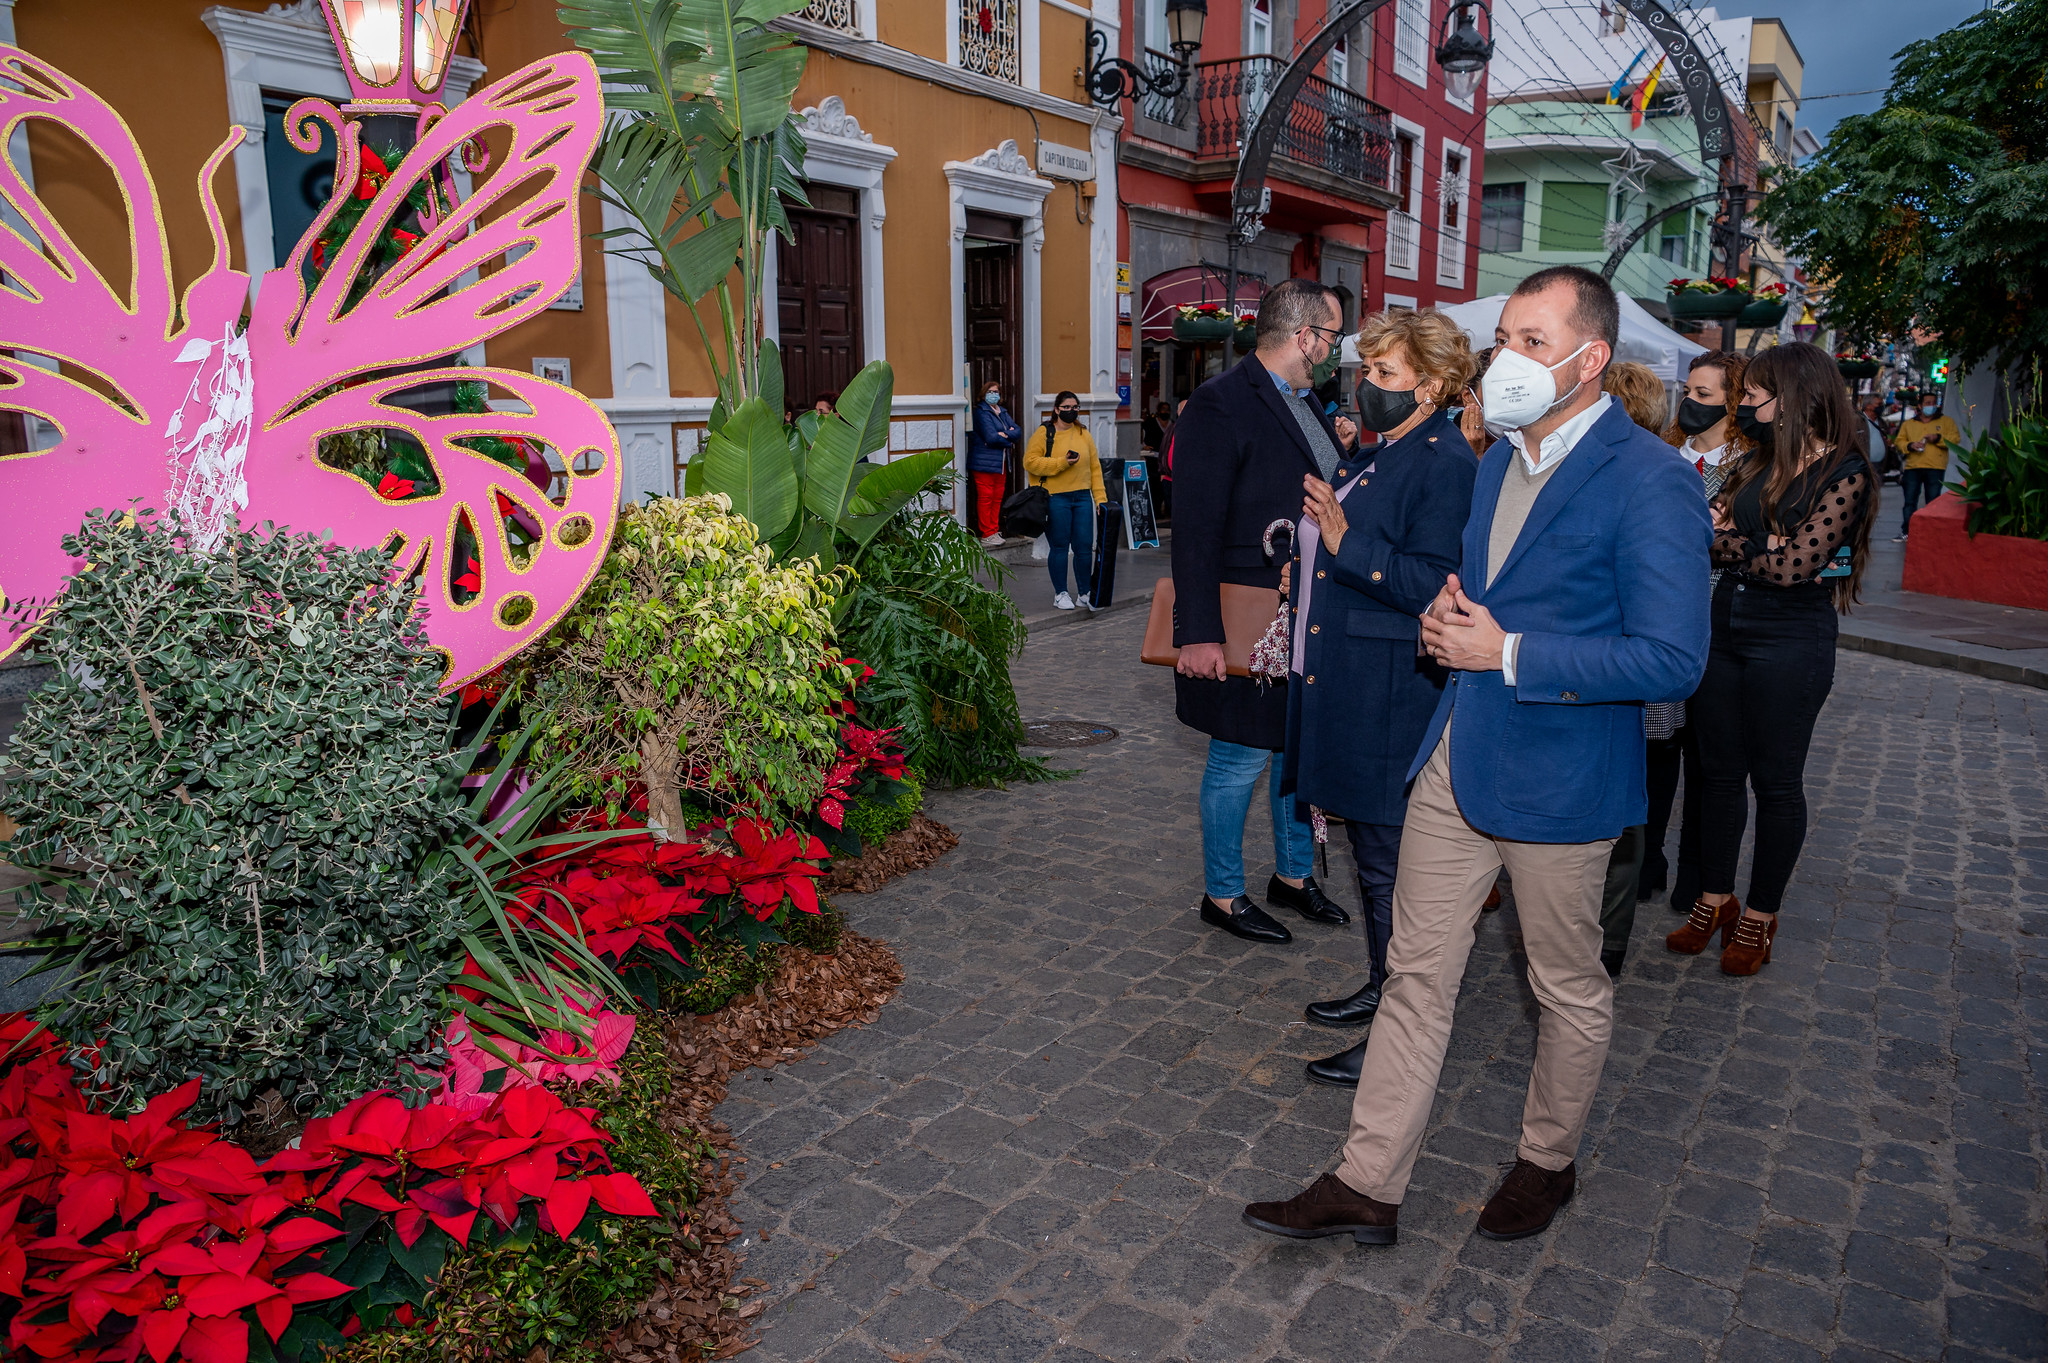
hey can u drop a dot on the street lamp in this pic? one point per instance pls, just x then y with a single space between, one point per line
1110 79
1464 54
394 52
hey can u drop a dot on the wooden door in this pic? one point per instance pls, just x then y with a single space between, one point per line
992 317
818 297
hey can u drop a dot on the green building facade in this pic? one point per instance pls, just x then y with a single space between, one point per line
1561 179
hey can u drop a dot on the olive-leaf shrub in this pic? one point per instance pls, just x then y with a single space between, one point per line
244 766
694 665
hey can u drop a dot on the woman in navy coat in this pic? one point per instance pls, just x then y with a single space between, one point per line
1375 547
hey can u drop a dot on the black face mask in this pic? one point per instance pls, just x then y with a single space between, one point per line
1067 414
1759 432
1694 416
1382 409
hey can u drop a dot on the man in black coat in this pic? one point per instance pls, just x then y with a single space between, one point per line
1241 449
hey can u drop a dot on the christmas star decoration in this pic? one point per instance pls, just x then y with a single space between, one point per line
1629 168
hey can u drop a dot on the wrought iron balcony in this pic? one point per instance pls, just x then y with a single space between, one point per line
1327 127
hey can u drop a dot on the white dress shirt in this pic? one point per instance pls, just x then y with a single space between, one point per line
1549 454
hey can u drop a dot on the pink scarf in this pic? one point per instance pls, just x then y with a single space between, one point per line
1311 540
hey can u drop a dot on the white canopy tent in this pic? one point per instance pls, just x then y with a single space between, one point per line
1643 337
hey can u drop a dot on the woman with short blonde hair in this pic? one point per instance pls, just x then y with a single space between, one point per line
1639 391
1373 552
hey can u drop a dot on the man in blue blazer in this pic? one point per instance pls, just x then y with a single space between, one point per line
1581 595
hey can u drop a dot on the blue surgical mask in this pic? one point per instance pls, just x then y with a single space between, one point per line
992 398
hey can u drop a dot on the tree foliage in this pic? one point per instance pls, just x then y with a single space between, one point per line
1933 211
243 761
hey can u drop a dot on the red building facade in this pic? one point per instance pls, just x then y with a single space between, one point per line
1372 189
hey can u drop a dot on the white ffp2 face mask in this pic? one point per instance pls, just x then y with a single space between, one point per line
1517 391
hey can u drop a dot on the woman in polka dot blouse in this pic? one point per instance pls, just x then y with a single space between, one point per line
1792 535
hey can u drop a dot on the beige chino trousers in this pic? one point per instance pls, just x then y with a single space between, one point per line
1446 868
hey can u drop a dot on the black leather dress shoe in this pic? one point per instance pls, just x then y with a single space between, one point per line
1340 1070
1309 901
1245 919
1349 1011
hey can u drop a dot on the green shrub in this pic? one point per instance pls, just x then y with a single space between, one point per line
940 640
244 759
818 932
696 667
725 967
872 819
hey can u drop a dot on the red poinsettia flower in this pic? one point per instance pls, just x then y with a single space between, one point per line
471 580
406 240
987 19
373 174
393 488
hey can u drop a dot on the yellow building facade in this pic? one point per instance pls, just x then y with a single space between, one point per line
934 239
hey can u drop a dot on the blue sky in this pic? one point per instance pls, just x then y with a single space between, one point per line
1848 44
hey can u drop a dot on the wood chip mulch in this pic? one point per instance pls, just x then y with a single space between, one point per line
912 849
706 1309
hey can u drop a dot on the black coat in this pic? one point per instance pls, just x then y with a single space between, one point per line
1352 733
1238 462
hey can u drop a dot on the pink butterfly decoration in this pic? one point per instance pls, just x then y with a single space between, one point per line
187 410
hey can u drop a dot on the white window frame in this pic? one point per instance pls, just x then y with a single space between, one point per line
1340 62
1411 41
1258 29
1413 208
1450 244
1399 300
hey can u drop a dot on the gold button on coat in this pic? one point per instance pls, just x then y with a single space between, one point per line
1315 629
1375 577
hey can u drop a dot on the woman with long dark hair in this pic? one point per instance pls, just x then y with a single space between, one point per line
1704 432
1792 536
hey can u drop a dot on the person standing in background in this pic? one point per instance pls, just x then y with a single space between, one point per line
1061 455
1924 441
1792 531
989 448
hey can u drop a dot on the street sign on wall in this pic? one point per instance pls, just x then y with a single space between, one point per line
1065 163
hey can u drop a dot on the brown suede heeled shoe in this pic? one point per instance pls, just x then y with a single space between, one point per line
1706 920
1748 948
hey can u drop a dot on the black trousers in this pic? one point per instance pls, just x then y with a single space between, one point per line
1667 758
1618 897
1769 671
1376 847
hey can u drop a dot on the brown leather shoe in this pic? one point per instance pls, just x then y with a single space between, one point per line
1748 948
1706 920
1327 1207
1526 1200
1492 897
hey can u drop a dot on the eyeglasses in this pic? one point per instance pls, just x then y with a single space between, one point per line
1334 337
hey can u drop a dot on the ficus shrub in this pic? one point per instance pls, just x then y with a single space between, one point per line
240 775
695 666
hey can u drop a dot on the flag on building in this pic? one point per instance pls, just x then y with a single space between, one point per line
1621 81
1642 95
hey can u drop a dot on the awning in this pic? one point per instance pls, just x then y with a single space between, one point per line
1161 297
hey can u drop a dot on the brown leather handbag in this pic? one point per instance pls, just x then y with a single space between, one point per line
1247 614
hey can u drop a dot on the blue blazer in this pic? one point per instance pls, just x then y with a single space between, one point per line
1607 585
994 436
1351 736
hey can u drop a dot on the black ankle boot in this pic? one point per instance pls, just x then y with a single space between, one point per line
1340 1070
1350 1011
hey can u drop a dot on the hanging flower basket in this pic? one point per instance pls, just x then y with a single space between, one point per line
1202 322
1857 370
1248 337
1762 313
1708 306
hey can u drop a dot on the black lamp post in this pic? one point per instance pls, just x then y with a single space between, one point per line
1110 79
1464 54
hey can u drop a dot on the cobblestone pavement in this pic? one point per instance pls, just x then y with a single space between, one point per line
1040 1149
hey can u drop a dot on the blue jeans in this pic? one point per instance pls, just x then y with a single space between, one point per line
1916 486
1072 527
1226 798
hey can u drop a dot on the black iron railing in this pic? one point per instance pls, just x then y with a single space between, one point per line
1327 126
1171 110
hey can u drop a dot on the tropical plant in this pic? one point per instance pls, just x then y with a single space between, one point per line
929 615
693 665
1930 213
810 487
2005 479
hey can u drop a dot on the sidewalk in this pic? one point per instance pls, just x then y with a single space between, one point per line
1030 584
1999 642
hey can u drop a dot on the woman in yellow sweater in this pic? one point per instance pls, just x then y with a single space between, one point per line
1071 472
